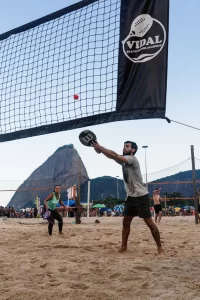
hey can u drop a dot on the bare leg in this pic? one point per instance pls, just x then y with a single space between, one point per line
125 233
160 215
155 233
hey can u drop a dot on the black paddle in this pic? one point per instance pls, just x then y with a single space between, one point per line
86 138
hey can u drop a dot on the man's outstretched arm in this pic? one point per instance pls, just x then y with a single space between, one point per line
109 153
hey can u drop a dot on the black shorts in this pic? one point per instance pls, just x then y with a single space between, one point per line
199 209
157 208
137 206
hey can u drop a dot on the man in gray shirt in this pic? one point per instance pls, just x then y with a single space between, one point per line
137 202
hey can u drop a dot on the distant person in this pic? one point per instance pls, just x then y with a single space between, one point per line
50 203
35 212
199 204
137 202
189 210
157 204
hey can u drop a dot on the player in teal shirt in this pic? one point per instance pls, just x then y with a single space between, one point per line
50 202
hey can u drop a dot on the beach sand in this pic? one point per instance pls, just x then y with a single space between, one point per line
85 263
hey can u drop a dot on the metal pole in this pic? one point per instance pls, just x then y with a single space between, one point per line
145 147
67 204
78 199
117 188
88 200
38 207
194 185
146 167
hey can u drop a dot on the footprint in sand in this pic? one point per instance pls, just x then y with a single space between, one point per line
114 276
43 265
145 285
65 246
55 283
131 278
78 286
141 268
62 270
88 248
94 263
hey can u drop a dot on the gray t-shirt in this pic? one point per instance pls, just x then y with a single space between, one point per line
133 181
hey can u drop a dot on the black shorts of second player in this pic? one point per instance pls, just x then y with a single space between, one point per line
137 206
157 208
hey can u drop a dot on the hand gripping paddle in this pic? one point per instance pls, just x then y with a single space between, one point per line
86 138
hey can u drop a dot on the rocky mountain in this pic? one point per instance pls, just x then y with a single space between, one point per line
104 187
61 168
174 184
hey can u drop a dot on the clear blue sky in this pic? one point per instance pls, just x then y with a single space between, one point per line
168 144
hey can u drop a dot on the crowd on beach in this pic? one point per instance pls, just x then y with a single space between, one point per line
11 212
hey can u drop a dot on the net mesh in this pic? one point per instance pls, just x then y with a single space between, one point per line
166 174
42 68
176 181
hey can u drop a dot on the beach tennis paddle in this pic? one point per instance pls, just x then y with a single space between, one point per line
87 137
46 215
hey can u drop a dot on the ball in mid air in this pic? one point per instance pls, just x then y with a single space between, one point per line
76 97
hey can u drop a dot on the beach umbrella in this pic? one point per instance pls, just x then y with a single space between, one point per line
187 207
177 208
98 206
119 208
67 202
105 209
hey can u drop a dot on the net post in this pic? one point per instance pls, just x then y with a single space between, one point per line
88 200
194 185
78 199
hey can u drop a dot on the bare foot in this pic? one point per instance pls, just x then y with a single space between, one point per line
61 233
160 250
123 249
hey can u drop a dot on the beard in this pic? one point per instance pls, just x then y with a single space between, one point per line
127 153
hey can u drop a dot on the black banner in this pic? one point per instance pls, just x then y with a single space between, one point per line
143 54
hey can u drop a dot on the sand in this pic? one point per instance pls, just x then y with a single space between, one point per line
85 263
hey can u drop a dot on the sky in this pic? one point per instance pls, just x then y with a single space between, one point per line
168 144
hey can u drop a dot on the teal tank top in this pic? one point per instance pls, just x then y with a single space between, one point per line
53 202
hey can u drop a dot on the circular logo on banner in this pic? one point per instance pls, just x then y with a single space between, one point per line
146 39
